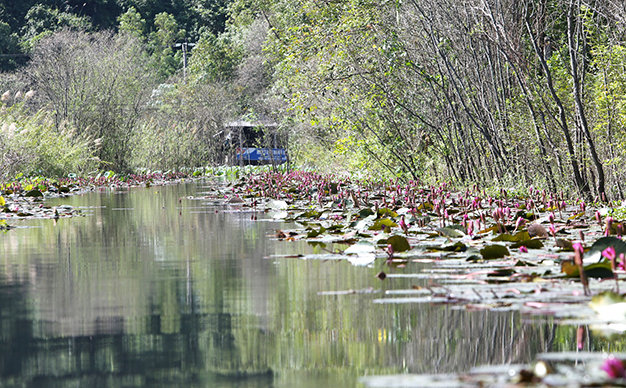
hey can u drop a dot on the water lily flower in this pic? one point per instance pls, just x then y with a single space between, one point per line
614 367
609 223
404 225
609 253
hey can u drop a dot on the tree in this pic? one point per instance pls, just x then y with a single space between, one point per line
41 20
10 52
98 82
161 44
132 23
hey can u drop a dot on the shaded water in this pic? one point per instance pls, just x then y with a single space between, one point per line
152 289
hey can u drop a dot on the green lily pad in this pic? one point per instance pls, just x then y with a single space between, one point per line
314 233
383 223
365 212
595 252
456 247
33 193
382 212
494 251
532 244
517 237
450 231
399 243
601 270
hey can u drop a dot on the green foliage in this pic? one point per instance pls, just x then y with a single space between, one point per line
132 23
185 128
97 82
161 43
33 144
215 58
9 45
609 91
42 20
162 146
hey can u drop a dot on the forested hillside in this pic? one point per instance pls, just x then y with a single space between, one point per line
502 92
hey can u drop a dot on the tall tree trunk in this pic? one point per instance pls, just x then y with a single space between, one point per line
577 92
579 181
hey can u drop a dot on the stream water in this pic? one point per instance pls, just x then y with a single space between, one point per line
151 288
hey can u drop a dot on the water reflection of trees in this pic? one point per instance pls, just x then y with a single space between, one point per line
158 294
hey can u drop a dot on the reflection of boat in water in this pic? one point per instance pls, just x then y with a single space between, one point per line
257 142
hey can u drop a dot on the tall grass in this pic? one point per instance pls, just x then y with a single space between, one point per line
33 144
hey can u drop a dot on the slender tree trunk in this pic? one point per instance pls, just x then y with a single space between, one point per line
579 181
577 92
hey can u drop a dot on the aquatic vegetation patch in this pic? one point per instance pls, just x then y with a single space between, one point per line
537 252
23 197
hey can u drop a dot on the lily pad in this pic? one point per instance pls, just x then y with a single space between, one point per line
519 236
399 243
382 212
360 248
450 231
494 251
33 193
532 244
595 252
382 224
601 270
277 205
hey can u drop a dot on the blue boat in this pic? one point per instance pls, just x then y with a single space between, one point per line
262 155
256 143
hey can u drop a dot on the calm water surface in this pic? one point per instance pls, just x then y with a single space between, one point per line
149 289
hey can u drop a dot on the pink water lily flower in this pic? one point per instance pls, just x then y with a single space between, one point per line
614 368
609 253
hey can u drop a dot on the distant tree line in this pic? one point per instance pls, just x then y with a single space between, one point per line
506 91
497 92
24 22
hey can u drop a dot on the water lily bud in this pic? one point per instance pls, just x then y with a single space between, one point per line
578 253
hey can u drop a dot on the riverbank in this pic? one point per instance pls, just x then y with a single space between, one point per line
24 198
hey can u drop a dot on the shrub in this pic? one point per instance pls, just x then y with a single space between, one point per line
33 144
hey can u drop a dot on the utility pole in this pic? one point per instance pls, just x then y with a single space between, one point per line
185 47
